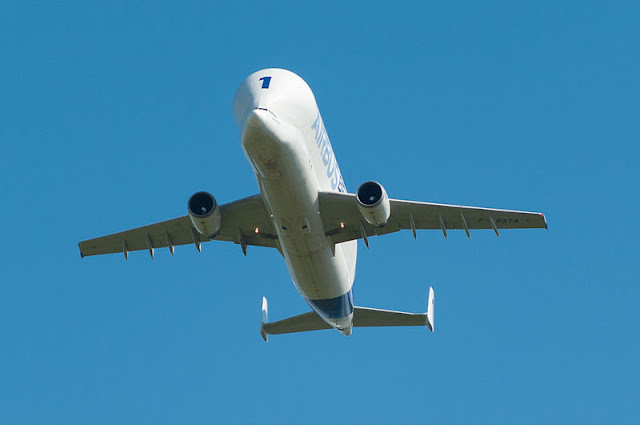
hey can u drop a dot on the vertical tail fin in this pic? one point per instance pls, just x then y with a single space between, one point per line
430 309
265 318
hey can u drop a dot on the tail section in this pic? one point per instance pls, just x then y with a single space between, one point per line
430 307
362 317
370 317
265 318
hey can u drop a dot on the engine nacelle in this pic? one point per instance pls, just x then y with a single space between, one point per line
204 213
373 203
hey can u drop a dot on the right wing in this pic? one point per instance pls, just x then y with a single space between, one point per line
343 222
239 221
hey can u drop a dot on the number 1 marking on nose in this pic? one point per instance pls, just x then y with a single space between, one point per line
265 82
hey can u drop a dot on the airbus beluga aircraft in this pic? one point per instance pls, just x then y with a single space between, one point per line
304 211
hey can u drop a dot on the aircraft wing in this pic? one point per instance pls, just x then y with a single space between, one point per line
239 220
343 222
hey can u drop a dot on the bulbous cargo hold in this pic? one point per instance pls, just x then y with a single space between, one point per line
204 213
373 203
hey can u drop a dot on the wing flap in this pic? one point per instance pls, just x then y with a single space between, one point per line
178 230
245 216
427 216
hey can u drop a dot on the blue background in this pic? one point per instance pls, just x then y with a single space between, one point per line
113 113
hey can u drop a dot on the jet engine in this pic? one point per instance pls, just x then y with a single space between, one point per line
204 213
373 203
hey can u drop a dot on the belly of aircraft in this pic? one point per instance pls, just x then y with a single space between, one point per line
290 188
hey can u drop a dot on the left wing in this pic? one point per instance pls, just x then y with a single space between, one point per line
343 222
239 221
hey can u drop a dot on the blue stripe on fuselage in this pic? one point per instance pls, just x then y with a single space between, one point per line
334 308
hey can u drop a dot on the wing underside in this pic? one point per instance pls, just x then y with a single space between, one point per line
244 222
343 222
247 222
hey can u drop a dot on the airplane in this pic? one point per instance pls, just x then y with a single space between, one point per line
304 211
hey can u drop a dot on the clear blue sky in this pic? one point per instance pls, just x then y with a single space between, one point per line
113 113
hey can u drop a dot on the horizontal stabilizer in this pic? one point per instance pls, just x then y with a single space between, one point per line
362 317
368 317
302 323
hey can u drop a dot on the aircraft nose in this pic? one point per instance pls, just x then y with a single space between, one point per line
258 118
282 92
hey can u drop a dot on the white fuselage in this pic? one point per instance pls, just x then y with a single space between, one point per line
285 141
